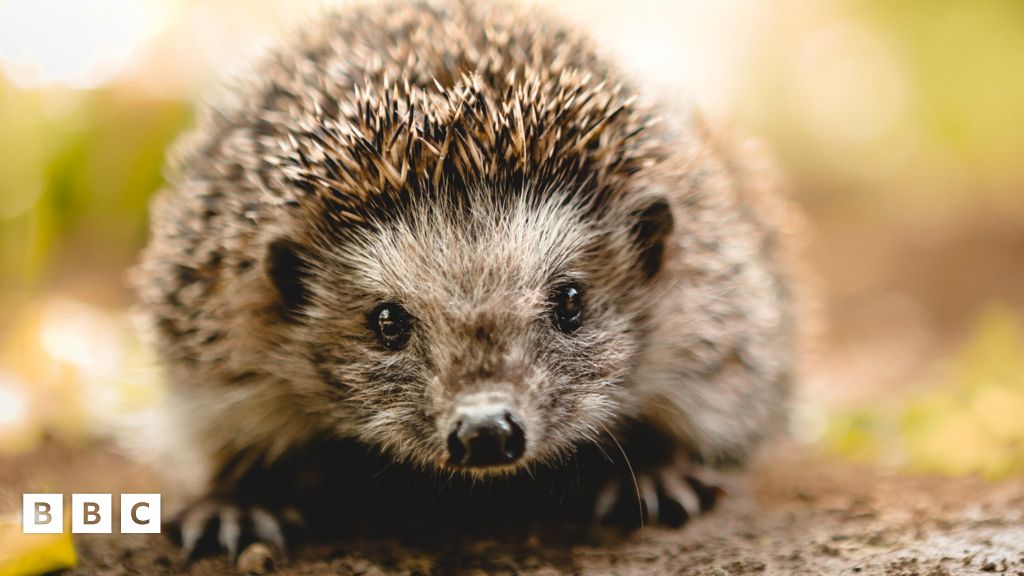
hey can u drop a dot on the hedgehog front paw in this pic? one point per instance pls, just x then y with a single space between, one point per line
669 495
210 526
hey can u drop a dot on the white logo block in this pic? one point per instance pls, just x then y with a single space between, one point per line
90 513
42 513
140 513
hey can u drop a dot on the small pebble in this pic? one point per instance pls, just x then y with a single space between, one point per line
257 558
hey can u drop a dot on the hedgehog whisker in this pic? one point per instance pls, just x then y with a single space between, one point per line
590 438
636 485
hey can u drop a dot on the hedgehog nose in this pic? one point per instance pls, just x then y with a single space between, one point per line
486 438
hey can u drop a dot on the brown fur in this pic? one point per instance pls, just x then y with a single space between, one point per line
461 160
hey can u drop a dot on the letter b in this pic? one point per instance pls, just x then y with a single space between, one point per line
90 513
42 513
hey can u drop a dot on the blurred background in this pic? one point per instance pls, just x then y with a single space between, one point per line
899 127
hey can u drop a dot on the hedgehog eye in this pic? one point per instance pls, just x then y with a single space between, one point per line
567 306
392 324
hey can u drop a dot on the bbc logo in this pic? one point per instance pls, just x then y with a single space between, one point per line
90 513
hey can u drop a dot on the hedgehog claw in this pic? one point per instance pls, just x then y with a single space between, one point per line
267 528
669 496
211 526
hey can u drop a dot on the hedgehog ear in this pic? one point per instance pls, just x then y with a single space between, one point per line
652 226
288 271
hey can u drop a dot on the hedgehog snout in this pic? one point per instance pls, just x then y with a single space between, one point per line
485 431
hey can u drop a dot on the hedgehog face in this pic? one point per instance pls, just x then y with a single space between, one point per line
483 337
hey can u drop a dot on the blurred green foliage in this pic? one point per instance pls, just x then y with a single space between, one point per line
964 60
77 171
969 419
911 109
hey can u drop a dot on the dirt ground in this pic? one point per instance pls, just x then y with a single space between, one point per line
795 514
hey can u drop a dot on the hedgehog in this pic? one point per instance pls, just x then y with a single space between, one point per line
452 242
